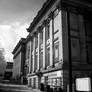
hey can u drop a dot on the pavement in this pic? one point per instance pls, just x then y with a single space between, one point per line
16 88
34 90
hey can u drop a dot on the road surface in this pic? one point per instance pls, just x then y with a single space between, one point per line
14 88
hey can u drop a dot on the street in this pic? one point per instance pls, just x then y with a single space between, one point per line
14 88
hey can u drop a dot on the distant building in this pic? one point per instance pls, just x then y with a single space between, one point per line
59 45
19 62
8 71
2 64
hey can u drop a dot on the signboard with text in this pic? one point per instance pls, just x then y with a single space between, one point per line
83 84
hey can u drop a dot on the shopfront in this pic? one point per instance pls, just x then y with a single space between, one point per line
52 81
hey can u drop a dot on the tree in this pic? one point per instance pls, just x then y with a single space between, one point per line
2 62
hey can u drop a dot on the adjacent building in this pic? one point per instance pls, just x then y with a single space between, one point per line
59 44
19 62
8 71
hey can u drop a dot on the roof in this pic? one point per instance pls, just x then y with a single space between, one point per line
45 8
21 41
40 14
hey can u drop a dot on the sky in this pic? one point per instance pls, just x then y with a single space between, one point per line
15 17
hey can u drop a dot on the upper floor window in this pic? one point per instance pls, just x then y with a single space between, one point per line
74 33
47 63
73 21
56 52
41 37
57 20
28 51
36 41
47 31
41 59
31 45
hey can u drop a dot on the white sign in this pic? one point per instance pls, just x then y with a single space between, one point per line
83 84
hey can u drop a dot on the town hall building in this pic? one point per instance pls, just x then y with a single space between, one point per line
59 44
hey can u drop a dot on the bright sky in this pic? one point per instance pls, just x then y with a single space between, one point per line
15 17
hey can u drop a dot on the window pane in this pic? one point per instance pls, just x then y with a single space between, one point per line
32 44
47 32
73 21
56 52
36 41
57 22
41 59
75 48
47 57
41 37
35 61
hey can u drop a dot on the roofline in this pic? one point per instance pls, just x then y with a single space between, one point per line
21 41
45 8
40 14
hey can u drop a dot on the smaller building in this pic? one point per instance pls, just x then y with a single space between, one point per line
19 62
8 71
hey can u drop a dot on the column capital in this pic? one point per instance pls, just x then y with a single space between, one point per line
51 15
35 34
58 6
46 22
40 28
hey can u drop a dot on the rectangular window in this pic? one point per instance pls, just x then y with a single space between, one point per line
74 21
28 51
41 37
47 32
36 41
75 47
35 64
57 21
74 33
34 82
47 56
41 59
56 52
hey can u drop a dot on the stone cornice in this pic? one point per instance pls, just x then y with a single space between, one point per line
40 14
21 42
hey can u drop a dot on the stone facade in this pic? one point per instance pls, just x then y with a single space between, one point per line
60 44
19 62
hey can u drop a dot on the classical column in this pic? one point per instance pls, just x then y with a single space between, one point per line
44 48
38 49
51 40
60 37
34 54
30 59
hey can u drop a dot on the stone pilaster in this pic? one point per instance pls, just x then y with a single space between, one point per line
30 59
34 54
51 44
38 50
44 47
51 40
60 37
